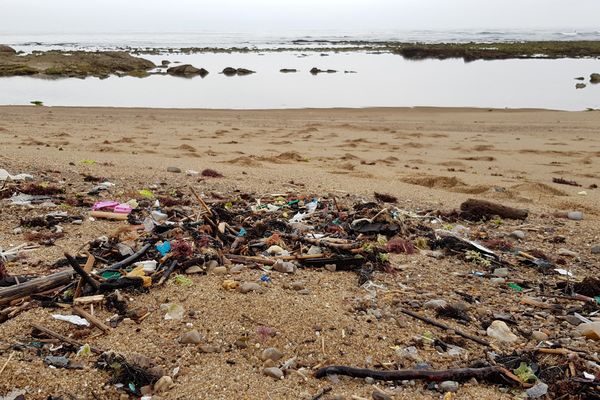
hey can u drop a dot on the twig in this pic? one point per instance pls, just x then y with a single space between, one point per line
62 338
131 259
6 363
459 374
444 326
94 320
81 272
202 202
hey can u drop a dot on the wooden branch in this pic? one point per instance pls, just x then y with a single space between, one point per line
37 285
482 209
81 272
444 326
131 259
322 242
80 301
168 271
93 320
109 215
62 338
490 374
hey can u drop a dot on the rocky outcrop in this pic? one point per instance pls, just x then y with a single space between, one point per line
187 70
78 64
7 49
230 71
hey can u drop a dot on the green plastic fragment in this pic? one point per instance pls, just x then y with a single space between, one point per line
146 193
525 373
85 351
88 162
182 280
515 287
597 299
111 275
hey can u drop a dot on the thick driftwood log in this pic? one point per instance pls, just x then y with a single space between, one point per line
493 374
482 209
34 286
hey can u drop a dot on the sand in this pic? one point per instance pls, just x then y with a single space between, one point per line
429 158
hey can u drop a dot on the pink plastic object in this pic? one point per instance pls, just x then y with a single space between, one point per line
104 204
123 209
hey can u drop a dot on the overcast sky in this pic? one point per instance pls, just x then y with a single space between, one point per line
65 16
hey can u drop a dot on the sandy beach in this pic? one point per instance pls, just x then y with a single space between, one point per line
429 158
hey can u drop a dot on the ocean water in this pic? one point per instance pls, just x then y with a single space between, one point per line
380 80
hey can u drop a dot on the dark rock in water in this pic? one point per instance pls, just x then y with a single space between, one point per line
230 71
580 78
187 70
595 78
350 72
580 86
316 71
7 49
288 70
164 63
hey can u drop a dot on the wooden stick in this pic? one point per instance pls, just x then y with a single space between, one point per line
109 215
131 259
80 301
444 326
86 277
94 320
6 363
322 392
34 286
459 374
202 203
62 338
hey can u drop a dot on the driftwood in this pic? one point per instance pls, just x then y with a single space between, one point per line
131 259
62 338
37 285
81 272
92 319
14 280
490 374
482 209
444 327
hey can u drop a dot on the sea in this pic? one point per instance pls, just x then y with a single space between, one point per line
365 77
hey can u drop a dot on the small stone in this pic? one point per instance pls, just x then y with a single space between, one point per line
124 396
501 272
247 287
219 270
573 320
538 390
304 292
590 330
271 353
448 386
230 284
194 269
379 395
175 170
520 235
330 267
284 267
369 380
575 215
314 250
146 390
436 304
191 337
501 332
298 285
567 253
497 281
17 231
273 372
539 336
211 264
163 384
237 269
208 348
596 249
57 361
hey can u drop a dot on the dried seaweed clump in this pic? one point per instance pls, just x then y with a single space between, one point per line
386 198
400 246
211 173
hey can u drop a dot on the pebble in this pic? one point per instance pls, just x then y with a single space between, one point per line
596 249
191 337
211 264
304 292
273 372
498 281
284 267
575 215
539 336
501 272
330 267
566 252
57 361
175 170
369 380
208 348
500 331
230 284
194 269
573 320
298 285
219 270
378 395
236 269
435 304
590 330
272 354
251 287
538 390
448 386
17 231
517 235
163 384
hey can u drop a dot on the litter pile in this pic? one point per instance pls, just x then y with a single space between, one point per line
164 235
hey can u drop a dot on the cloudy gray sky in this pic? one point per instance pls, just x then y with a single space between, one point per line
65 16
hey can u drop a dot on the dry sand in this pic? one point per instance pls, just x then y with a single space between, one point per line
429 158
